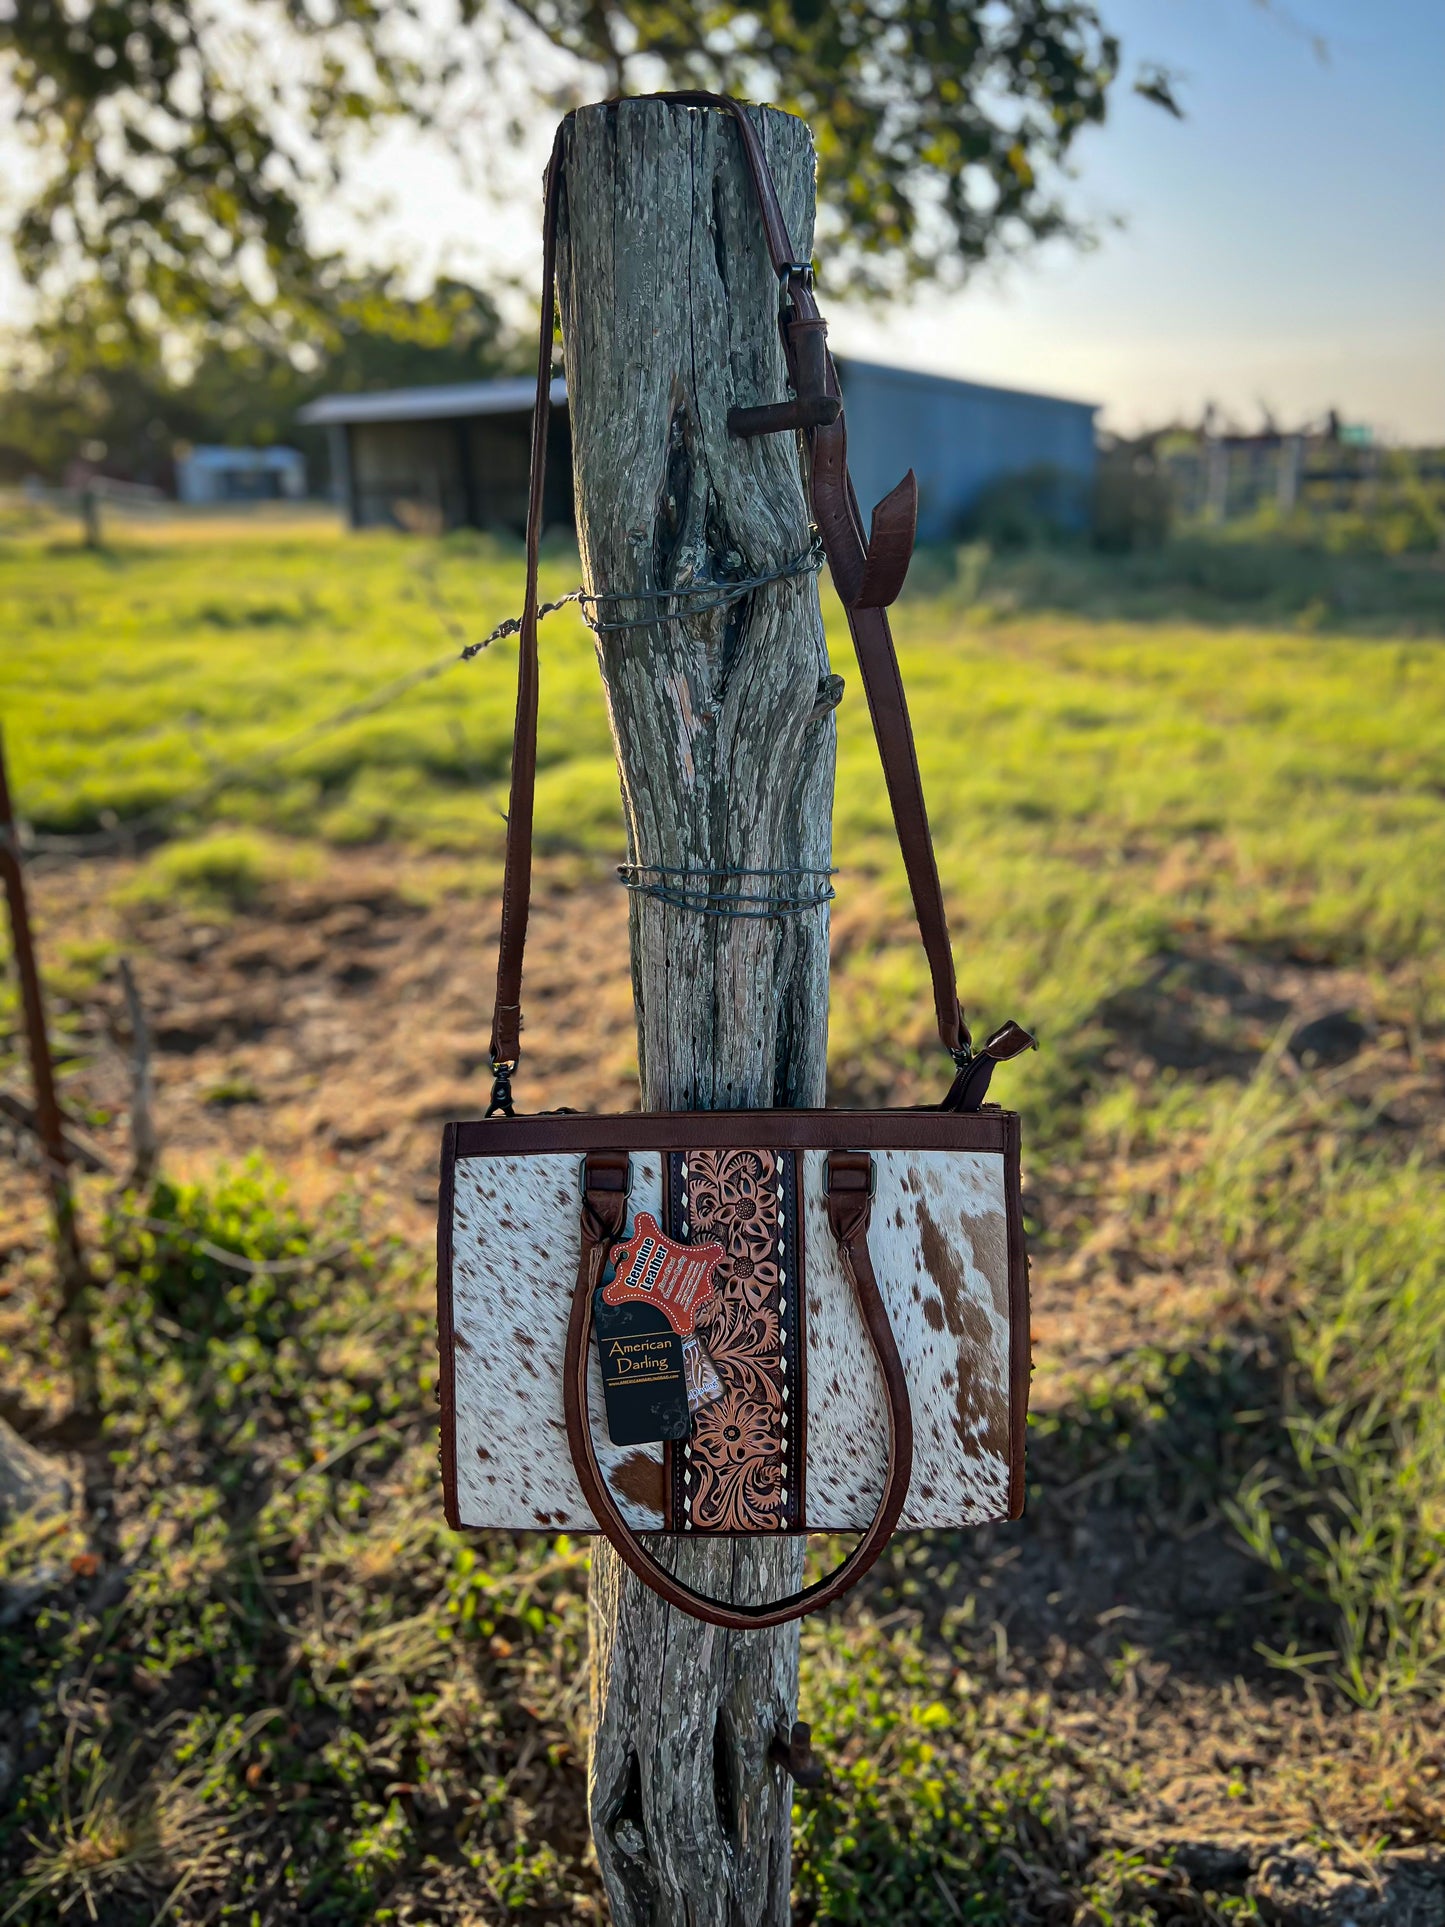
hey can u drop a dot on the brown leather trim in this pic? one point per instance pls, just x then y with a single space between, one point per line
506 1041
797 1299
849 1210
766 1130
1020 1338
446 1348
793 1318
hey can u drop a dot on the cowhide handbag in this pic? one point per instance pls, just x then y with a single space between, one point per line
739 1322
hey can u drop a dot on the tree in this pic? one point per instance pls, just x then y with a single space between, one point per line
181 142
87 386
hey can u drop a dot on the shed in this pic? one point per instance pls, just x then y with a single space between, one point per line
460 452
211 473
958 437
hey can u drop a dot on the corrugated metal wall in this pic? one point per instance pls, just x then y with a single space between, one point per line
957 437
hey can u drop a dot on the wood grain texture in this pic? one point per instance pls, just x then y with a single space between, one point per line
669 316
939 1240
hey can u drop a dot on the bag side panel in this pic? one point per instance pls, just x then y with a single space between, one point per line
941 1250
515 1246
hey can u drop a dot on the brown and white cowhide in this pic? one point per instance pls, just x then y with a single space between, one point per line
939 1244
940 1251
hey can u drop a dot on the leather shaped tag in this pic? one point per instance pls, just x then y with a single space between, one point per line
644 1384
651 1268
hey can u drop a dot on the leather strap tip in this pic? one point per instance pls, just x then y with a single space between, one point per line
1009 1040
890 546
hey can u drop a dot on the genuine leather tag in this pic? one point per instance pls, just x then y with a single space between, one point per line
651 1268
643 1382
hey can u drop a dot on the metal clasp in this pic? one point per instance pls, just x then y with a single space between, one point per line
502 1087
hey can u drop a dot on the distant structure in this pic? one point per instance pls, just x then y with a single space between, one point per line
457 456
214 474
959 438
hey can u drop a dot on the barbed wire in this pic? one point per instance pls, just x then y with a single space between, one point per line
95 843
697 599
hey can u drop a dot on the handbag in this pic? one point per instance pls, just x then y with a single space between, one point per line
812 1320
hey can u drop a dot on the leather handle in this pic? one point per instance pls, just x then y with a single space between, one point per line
850 1201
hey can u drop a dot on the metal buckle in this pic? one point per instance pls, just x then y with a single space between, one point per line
872 1167
502 1087
803 270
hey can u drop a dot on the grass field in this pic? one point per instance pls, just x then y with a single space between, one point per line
1186 806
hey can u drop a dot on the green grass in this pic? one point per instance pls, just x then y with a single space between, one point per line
1340 1492
1122 763
1098 787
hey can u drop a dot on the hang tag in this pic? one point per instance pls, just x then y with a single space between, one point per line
703 1383
644 1384
651 1268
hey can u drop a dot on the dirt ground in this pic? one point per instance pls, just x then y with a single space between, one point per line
335 1029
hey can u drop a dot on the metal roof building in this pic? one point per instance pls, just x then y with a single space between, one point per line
212 473
457 455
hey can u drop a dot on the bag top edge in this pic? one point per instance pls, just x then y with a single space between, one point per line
986 1130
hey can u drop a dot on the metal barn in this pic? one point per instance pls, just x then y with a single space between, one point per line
457 455
958 437
213 473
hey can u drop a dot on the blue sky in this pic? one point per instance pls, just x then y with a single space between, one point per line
1284 244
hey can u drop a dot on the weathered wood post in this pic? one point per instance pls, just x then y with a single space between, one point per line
72 1272
725 742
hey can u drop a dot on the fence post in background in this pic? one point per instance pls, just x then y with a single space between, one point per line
725 741
144 1144
1216 479
70 1264
1291 456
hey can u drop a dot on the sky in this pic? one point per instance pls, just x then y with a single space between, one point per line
1283 246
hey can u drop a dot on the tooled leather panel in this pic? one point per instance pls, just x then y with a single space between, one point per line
741 1471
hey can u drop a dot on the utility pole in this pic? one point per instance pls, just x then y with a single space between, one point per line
724 733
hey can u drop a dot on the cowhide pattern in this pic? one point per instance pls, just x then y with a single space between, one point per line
516 1230
939 1243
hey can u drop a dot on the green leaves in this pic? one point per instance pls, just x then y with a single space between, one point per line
184 146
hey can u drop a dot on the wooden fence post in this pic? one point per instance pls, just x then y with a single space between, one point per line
72 1272
725 742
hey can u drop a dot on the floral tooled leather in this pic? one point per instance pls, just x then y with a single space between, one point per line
738 1449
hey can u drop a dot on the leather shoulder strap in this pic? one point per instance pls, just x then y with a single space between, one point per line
868 573
517 873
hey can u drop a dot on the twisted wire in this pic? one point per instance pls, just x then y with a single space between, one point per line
687 889
698 597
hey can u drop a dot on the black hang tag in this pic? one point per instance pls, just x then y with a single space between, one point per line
642 1373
